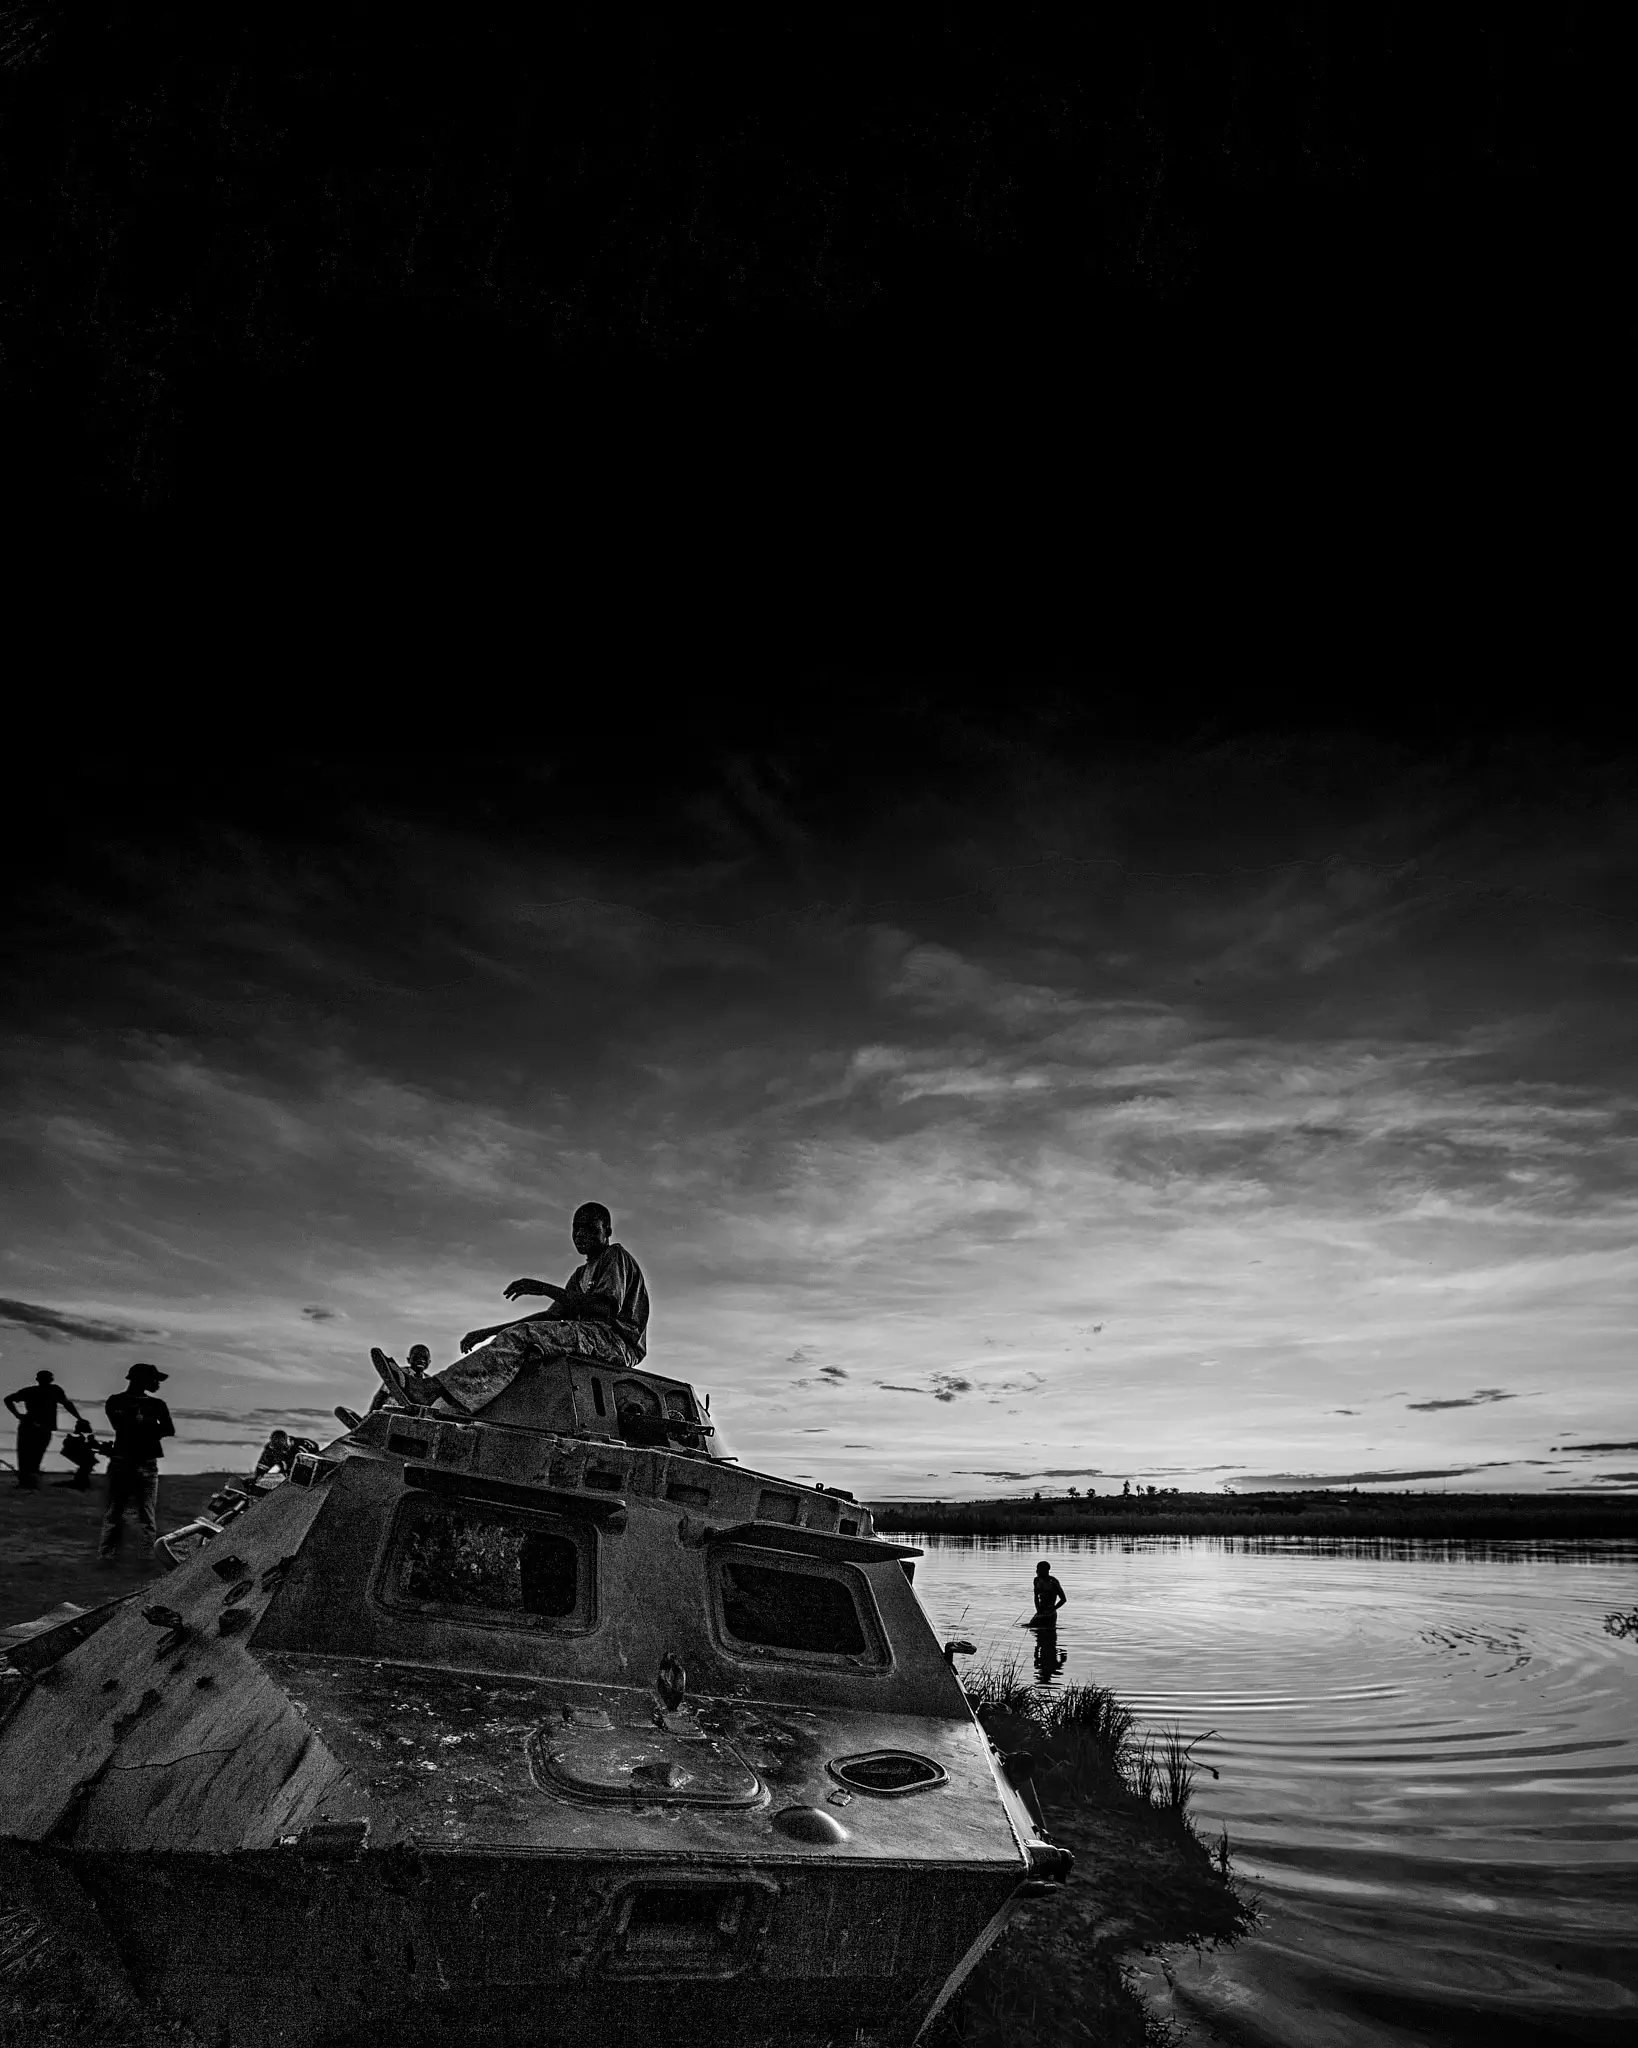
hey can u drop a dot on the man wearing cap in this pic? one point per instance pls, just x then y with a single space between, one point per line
36 1421
602 1313
141 1421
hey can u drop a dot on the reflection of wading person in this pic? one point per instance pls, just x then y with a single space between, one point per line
602 1313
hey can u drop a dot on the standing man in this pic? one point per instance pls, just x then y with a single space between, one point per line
141 1421
36 1423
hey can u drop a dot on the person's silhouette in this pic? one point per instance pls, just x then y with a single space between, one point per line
1049 1597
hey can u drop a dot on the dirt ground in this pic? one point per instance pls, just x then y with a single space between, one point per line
48 1541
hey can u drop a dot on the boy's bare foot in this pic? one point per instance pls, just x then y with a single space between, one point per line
414 1389
392 1373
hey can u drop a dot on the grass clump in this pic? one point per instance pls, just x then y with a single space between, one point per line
1094 1736
1144 1878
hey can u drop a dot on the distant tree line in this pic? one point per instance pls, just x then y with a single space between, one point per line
1456 1517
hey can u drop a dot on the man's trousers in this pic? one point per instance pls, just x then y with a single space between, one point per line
129 1486
32 1444
490 1368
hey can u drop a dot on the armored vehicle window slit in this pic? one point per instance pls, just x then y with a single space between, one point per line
795 1609
469 1561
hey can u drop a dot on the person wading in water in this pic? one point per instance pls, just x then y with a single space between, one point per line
601 1313
1049 1597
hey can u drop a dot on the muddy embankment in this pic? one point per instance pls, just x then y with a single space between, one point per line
1143 1878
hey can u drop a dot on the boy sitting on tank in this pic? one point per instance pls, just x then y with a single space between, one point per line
601 1313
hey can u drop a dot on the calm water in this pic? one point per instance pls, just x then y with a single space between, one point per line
1428 1759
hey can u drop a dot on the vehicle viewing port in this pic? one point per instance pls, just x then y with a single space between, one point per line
888 1771
473 1562
795 1608
703 1929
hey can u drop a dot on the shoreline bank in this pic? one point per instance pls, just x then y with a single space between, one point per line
1143 1879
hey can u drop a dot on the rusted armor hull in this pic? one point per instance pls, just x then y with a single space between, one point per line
487 1734
275 1948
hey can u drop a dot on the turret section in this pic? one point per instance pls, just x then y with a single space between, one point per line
594 1467
582 1397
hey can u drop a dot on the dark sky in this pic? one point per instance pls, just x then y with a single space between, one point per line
261 256
995 1093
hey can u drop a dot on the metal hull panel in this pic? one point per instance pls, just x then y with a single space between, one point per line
297 1809
282 1948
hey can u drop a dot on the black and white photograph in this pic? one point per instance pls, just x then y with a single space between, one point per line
817 1078
973 1389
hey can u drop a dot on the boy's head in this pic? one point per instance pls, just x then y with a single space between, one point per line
419 1357
1043 1569
591 1228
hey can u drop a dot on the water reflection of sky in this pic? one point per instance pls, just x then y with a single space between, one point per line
1427 1762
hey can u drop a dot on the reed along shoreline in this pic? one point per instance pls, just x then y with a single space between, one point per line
1144 1877
1465 1517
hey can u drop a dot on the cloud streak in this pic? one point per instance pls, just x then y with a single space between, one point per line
53 1325
1481 1399
1189 1097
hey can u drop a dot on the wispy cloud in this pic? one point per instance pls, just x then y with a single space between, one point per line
1045 1472
253 1418
1378 1478
54 1324
1169 1104
1480 1399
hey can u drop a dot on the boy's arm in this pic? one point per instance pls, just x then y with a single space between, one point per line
167 1427
574 1304
11 1403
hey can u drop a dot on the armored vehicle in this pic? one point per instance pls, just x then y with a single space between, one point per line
551 1725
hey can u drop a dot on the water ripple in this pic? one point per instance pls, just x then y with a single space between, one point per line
1427 1764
